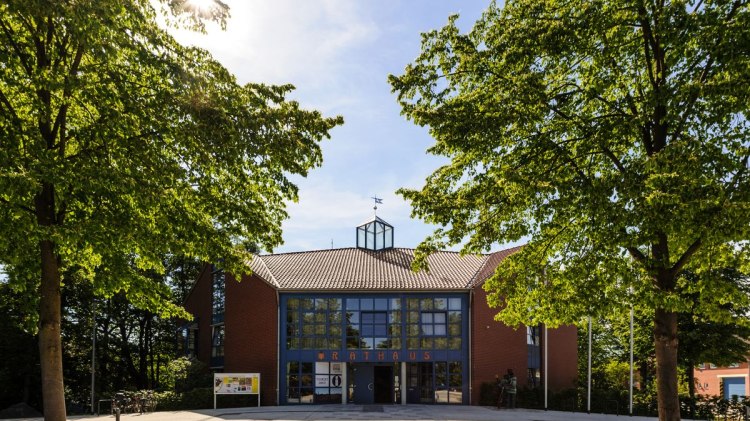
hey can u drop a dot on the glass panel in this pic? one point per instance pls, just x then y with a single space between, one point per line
320 317
382 343
412 330
334 317
412 343
306 303
439 318
454 316
441 304
367 330
388 238
380 317
307 368
353 317
352 342
306 395
426 317
321 343
292 304
379 330
426 304
454 343
395 330
456 383
352 304
412 317
334 330
320 329
367 317
412 304
454 304
365 304
427 330
441 343
308 343
308 317
334 343
308 330
395 343
361 238
439 330
334 304
368 343
395 303
292 367
381 304
454 329
426 343
441 382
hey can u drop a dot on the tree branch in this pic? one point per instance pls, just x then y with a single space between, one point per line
686 256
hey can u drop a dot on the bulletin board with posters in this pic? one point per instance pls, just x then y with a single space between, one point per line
236 384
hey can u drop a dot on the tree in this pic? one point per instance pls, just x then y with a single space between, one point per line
118 146
611 134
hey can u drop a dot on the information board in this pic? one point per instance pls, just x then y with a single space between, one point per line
236 384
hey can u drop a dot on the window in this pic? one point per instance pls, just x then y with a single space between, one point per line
373 323
433 323
313 323
191 344
218 296
217 341
299 382
533 356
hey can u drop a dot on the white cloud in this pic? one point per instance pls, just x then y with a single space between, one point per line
286 41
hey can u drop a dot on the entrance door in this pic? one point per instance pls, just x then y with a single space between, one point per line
364 384
383 382
420 383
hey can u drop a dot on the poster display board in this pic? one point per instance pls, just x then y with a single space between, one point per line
236 384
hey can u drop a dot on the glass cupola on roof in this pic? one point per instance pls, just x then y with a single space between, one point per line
375 234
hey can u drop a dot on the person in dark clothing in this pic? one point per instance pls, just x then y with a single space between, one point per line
510 386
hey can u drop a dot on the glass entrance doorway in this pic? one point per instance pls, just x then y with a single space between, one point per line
372 383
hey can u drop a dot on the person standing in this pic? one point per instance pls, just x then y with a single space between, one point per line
510 388
500 390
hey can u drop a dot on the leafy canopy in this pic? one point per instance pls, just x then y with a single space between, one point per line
613 135
142 148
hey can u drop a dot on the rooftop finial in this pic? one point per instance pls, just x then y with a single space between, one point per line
377 201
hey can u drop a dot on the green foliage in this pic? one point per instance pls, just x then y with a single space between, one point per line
184 374
143 147
613 135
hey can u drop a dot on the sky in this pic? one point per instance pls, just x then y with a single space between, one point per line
338 54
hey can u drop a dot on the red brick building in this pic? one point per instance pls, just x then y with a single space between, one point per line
711 380
358 325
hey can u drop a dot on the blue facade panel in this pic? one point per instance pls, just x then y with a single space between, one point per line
371 334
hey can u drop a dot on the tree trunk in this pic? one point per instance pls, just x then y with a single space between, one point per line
50 345
665 344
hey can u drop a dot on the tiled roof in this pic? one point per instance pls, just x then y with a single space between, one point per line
488 269
359 269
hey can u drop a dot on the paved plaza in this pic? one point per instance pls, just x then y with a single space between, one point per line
365 412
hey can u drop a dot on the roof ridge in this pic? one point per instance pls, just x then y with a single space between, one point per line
273 281
510 250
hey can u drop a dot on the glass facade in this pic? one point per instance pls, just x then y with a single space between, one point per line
339 342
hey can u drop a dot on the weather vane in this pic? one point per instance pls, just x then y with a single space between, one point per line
378 201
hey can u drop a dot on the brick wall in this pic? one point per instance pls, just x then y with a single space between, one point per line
496 348
251 333
198 303
708 380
